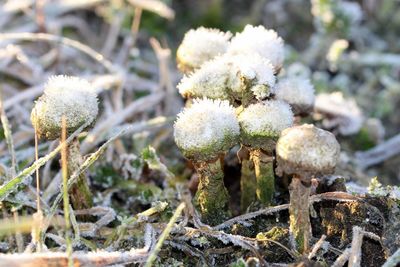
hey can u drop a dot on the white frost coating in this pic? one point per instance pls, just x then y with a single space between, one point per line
226 74
201 45
209 81
72 97
256 69
342 113
208 126
308 149
296 91
266 119
259 40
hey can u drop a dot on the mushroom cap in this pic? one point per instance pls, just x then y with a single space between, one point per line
262 123
253 74
306 151
298 92
210 81
206 129
230 77
71 97
199 46
259 40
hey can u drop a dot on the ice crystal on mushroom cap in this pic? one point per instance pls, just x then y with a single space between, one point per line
298 92
199 46
209 81
307 150
206 129
71 97
262 121
259 40
256 72
230 76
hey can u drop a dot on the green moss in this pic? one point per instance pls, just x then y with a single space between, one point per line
213 149
212 198
263 140
264 171
276 234
362 140
248 184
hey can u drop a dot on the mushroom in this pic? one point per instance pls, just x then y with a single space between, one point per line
260 128
74 99
199 46
259 40
304 151
298 92
204 132
239 78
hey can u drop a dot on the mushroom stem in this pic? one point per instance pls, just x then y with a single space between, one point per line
300 226
212 198
264 171
248 184
81 196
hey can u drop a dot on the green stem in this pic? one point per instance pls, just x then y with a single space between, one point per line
300 226
248 184
81 196
212 198
264 171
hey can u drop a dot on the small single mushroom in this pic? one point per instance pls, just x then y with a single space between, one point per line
199 46
298 92
204 132
74 99
260 128
257 39
304 151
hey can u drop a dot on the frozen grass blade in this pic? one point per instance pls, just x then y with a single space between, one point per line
12 185
164 235
393 260
27 36
37 170
64 168
85 165
8 136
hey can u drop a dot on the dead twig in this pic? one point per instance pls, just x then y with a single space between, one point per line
379 153
316 247
27 36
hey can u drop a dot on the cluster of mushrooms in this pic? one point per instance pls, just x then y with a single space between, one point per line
236 95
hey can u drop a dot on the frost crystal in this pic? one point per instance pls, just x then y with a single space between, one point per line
296 91
307 150
199 46
71 97
210 81
230 76
206 129
262 121
259 40
256 72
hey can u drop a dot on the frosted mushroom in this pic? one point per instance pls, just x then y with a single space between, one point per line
260 128
210 81
75 99
298 92
204 132
199 46
239 78
257 39
304 151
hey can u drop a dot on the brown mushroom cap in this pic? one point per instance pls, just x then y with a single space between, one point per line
307 151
